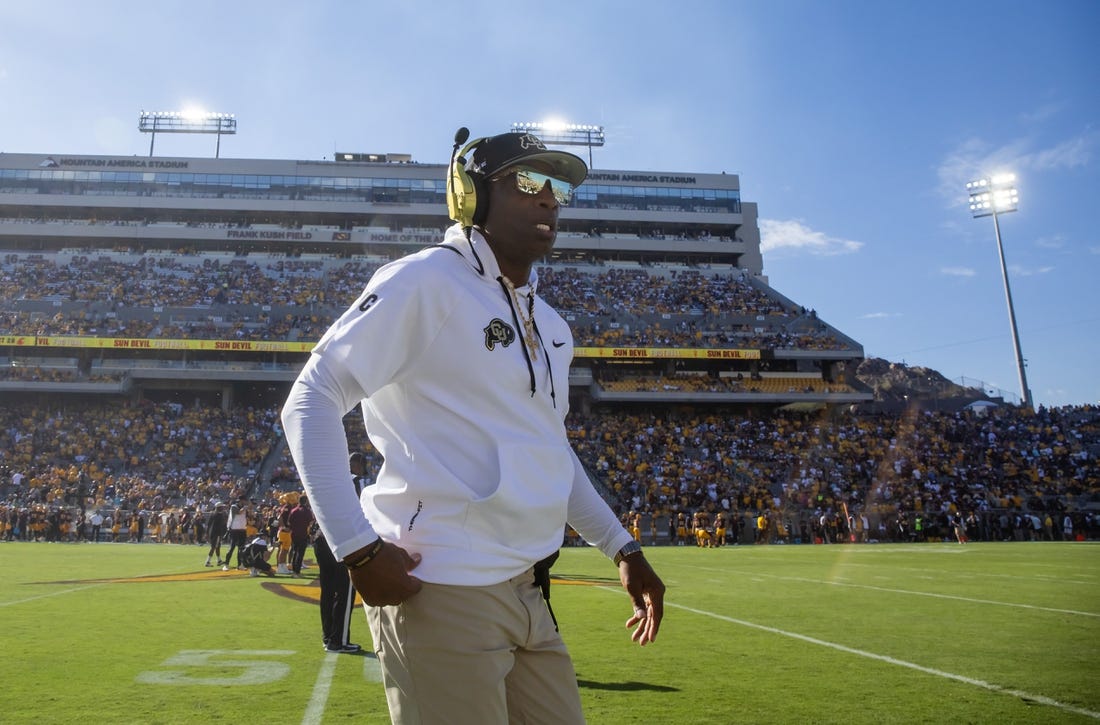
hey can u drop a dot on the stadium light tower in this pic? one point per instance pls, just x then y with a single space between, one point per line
153 122
564 134
990 197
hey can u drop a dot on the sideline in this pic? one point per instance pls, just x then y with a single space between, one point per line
1041 699
316 708
51 594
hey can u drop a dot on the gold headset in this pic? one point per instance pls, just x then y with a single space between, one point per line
462 189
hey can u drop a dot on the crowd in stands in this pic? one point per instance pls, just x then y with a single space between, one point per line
112 294
889 469
130 455
40 374
154 470
618 381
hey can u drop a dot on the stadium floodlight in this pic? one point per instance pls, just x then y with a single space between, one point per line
564 134
989 197
189 121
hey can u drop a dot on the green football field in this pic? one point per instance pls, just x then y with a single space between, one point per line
1004 633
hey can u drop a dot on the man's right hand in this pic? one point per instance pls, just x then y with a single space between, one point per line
385 579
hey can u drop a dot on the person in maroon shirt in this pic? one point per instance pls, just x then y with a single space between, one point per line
300 518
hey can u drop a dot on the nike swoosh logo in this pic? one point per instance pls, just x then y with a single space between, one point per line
555 343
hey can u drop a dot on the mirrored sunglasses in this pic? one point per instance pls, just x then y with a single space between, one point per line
532 182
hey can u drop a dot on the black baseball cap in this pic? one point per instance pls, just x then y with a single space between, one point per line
497 153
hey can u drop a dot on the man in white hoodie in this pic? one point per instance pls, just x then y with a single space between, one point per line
463 376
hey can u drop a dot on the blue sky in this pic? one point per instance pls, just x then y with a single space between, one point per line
853 124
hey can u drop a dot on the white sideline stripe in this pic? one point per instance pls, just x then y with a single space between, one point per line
51 594
967 599
900 663
923 594
321 687
938 596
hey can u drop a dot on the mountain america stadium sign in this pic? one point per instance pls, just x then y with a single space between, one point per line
128 163
647 178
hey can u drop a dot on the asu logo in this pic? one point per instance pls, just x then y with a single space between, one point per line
498 331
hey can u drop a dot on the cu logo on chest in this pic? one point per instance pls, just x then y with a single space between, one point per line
498 331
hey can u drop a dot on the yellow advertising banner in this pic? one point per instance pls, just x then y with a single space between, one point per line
654 353
131 343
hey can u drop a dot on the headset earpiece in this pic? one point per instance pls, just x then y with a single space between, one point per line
462 189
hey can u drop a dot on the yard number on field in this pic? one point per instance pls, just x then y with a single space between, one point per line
220 667
233 667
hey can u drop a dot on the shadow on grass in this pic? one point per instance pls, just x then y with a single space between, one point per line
625 686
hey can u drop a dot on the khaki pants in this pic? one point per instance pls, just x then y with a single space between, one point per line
487 655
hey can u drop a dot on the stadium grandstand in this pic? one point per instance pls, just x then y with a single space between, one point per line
155 311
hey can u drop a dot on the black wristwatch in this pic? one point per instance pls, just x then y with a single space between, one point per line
632 547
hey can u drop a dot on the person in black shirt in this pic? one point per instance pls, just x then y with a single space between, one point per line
337 592
216 523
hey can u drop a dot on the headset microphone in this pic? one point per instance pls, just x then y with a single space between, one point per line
460 136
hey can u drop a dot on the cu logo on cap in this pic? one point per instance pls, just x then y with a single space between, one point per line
527 141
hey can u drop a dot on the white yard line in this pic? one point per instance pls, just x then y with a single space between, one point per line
914 592
1041 699
900 663
321 687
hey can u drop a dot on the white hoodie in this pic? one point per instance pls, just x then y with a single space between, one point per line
479 476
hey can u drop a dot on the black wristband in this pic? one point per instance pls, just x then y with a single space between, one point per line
372 551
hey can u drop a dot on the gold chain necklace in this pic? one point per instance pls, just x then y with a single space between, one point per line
527 319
